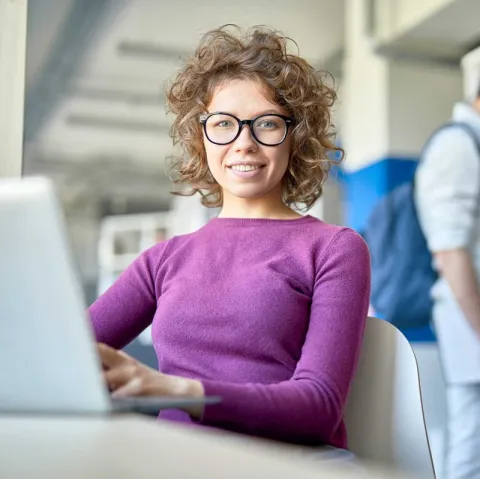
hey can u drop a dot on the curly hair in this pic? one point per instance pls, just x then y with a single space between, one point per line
259 54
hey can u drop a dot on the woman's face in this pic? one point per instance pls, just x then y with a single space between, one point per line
245 168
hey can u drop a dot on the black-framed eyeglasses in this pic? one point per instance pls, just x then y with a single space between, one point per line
269 129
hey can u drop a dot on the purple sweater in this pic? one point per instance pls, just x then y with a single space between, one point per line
268 314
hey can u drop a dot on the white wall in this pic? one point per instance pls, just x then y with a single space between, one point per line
13 33
421 99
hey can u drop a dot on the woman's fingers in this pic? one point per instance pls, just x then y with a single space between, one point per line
117 377
125 376
131 388
112 358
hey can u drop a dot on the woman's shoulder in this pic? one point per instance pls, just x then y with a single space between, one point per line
336 242
328 232
164 248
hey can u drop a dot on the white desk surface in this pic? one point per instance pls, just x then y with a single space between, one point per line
132 446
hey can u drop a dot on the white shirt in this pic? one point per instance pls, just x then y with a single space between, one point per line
447 195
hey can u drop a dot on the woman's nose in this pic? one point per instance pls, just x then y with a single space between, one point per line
245 140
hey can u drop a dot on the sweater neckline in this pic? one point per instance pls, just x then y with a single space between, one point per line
261 221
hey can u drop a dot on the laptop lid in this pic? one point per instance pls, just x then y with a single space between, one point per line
48 360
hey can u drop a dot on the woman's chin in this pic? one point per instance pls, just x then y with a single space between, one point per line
247 193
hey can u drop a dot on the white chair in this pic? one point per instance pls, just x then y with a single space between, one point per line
384 414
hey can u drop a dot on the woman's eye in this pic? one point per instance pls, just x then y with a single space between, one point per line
224 124
268 124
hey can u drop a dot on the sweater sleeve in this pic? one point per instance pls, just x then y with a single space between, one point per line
125 309
309 406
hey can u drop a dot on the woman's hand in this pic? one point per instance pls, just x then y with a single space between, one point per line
125 376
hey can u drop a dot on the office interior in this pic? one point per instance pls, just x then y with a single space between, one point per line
87 110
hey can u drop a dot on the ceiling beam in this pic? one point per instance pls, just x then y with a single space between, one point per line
110 123
117 95
80 29
151 51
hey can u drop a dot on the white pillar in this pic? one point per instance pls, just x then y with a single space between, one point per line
389 108
13 36
364 98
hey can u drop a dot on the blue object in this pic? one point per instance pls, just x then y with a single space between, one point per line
364 188
402 272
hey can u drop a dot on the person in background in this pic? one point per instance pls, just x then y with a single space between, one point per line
262 306
448 204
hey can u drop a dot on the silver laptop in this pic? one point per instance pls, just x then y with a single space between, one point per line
48 357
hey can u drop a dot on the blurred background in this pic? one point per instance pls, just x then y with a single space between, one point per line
95 117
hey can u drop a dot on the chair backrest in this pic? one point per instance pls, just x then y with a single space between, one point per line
384 413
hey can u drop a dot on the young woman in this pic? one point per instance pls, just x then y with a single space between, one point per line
262 306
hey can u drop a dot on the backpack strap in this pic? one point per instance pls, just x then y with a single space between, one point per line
453 124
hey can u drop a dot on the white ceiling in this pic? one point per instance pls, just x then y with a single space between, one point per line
457 24
443 36
114 106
